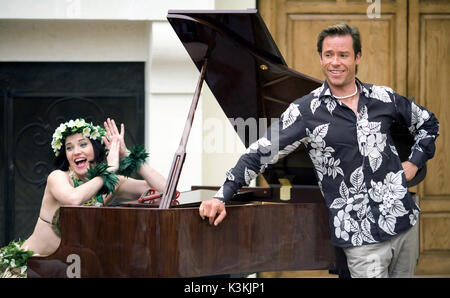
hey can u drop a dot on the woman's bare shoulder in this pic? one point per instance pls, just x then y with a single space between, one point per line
56 175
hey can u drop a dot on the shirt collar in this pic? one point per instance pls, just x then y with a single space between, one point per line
325 91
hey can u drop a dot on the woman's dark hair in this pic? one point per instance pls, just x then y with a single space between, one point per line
61 163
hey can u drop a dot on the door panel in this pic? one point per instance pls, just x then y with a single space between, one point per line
428 80
406 48
377 65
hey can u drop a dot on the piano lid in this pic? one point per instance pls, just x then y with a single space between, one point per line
246 72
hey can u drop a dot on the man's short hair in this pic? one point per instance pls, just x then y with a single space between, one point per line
340 29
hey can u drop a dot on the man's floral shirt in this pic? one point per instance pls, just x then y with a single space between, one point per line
357 165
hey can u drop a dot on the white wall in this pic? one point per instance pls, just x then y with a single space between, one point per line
87 40
133 30
149 10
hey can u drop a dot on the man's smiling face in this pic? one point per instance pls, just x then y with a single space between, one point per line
338 60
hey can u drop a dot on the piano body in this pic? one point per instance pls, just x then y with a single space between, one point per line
266 228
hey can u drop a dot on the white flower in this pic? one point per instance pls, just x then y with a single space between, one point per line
71 124
371 141
354 198
356 202
56 144
418 116
57 134
62 127
316 156
317 141
395 188
87 132
95 134
386 206
389 194
342 225
377 141
79 123
378 191
413 217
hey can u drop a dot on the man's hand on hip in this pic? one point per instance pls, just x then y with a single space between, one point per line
410 170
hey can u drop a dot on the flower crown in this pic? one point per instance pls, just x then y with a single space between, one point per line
72 127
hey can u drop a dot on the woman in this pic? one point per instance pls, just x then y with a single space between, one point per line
83 177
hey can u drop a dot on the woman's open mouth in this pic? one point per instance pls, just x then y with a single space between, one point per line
80 162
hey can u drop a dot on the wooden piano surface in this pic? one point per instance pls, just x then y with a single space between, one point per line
175 242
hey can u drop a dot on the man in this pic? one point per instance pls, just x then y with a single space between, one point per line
345 126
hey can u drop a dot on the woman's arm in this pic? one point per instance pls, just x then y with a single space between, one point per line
61 189
128 187
152 177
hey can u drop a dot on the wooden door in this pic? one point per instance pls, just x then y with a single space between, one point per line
429 81
295 26
406 47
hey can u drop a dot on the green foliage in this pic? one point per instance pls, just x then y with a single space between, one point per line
110 179
13 255
133 161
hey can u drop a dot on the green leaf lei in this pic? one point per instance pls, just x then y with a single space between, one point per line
13 260
133 161
127 166
110 180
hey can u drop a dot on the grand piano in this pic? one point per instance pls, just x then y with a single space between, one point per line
281 226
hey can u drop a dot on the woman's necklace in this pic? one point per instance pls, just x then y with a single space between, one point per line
347 96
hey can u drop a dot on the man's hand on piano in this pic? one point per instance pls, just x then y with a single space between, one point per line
210 209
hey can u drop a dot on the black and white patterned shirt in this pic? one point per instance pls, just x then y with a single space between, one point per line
358 168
